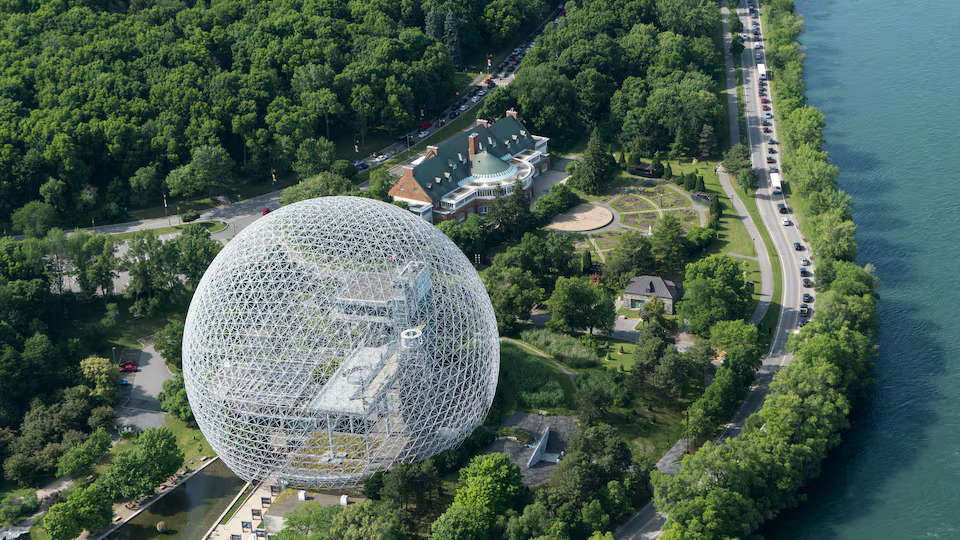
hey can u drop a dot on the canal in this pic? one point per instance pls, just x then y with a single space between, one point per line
189 510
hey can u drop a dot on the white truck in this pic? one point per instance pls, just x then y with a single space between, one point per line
762 71
776 182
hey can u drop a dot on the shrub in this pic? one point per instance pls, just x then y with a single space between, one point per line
190 215
566 349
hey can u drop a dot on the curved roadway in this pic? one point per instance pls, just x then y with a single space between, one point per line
647 522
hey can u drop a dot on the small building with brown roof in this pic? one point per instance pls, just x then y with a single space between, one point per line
462 175
642 289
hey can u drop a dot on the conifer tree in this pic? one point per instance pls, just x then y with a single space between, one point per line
451 38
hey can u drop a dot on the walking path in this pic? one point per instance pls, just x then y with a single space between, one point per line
766 270
569 373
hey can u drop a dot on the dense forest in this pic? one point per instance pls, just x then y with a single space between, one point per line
645 73
108 103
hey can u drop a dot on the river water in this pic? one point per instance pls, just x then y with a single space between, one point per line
887 75
189 511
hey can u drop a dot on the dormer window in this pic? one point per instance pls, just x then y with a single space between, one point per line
437 179
447 174
523 133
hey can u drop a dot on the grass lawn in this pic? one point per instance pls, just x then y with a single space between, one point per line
629 313
734 237
652 423
190 440
210 226
128 329
773 312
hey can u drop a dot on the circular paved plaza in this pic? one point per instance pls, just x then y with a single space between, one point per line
583 217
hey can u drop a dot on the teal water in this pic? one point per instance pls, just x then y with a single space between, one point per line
887 75
189 510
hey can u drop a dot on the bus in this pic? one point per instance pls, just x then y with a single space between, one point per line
776 183
762 71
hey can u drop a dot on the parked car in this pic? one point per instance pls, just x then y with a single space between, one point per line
758 45
802 323
804 310
797 246
265 211
425 125
453 115
764 122
804 272
475 99
423 134
362 165
773 169
764 100
769 116
767 108
771 159
804 261
785 221
128 367
807 297
782 208
807 282
464 107
767 130
771 140
771 150
510 69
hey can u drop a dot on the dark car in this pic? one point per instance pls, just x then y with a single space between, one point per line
767 130
362 166
510 69
771 159
798 246
807 297
803 322
453 115
807 282
782 208
764 122
804 272
804 310
773 169
265 211
771 150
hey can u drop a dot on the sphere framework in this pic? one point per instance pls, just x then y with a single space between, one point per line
337 337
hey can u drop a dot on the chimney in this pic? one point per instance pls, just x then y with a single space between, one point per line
482 122
472 144
512 113
432 151
652 288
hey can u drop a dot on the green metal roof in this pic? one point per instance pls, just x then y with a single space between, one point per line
440 175
484 164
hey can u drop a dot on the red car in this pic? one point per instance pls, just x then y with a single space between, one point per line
766 108
767 130
764 100
265 211
425 125
128 367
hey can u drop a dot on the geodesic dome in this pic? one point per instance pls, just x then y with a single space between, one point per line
336 337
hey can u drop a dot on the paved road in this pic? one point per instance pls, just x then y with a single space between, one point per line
647 523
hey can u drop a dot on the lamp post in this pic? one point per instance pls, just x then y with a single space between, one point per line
114 355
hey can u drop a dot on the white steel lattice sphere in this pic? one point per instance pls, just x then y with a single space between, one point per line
337 337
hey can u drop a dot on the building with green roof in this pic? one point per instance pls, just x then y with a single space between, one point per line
460 176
